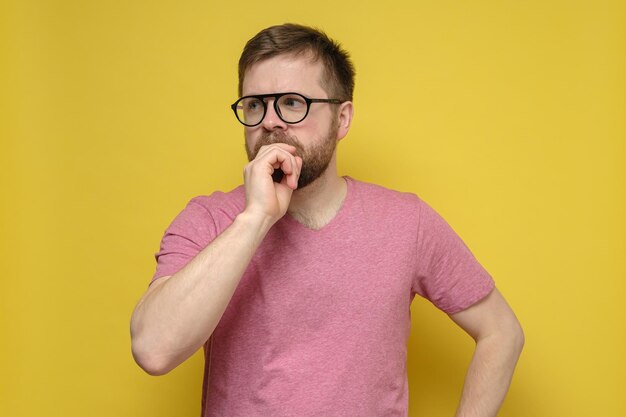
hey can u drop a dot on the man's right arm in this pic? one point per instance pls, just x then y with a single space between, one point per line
178 313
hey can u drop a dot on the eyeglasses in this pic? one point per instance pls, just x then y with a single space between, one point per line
290 107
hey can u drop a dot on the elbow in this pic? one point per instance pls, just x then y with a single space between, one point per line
146 354
155 357
517 337
152 364
509 337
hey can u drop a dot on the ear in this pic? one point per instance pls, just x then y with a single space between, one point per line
346 111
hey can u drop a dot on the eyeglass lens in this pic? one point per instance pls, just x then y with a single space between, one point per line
292 108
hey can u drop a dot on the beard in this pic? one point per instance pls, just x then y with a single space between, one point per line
315 160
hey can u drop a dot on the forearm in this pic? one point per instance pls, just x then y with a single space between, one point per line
178 317
489 375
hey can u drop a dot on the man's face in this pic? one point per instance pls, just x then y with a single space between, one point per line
315 138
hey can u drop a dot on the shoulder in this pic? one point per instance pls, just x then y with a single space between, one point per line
231 202
384 197
211 211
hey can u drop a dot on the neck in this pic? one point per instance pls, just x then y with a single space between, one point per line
317 204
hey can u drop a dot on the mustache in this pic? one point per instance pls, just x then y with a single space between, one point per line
278 137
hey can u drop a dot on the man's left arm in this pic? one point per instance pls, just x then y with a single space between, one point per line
499 341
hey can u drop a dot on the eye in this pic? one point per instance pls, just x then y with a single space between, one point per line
293 102
252 104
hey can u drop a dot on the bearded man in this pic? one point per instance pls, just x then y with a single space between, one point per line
298 283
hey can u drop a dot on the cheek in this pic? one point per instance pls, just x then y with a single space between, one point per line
249 142
310 132
250 136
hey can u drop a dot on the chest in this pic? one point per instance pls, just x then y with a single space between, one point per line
297 287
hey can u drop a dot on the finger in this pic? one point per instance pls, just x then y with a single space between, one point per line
294 173
273 154
285 181
289 148
291 169
275 158
266 148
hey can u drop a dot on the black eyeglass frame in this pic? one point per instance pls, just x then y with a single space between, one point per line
276 97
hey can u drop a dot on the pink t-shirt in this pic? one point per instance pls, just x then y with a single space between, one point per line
319 323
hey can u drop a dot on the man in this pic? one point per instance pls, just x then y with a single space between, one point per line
299 283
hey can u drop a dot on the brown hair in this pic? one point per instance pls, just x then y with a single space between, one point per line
289 38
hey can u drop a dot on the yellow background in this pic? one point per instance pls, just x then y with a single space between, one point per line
507 117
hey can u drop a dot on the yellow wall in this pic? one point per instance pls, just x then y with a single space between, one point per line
507 117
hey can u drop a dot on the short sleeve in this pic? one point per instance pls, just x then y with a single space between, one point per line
448 274
190 232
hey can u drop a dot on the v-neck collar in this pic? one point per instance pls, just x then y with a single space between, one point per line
345 205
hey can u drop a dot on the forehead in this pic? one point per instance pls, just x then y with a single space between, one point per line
284 73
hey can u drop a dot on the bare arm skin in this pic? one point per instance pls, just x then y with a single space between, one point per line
499 341
178 313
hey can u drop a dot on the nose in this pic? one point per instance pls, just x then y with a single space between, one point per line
271 120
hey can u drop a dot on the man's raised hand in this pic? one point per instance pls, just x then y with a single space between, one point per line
267 198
